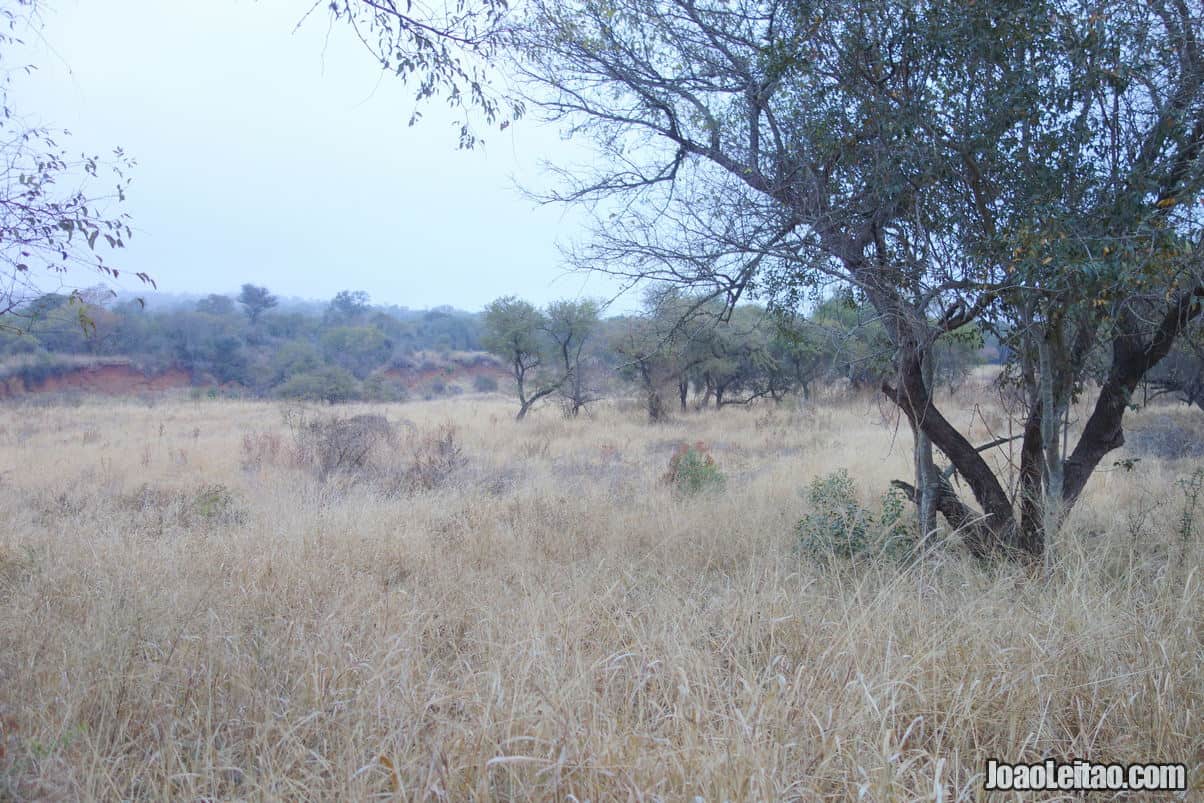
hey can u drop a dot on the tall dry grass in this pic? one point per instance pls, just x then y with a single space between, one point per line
552 622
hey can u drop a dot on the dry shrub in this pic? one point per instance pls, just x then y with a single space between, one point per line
158 510
770 419
435 456
51 508
431 458
361 449
1166 438
261 449
336 445
12 566
535 449
216 503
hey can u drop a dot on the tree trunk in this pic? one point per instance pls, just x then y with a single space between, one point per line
996 531
526 404
927 482
1031 481
1132 358
656 408
1051 450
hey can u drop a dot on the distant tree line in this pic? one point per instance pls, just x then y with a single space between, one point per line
248 340
686 351
679 352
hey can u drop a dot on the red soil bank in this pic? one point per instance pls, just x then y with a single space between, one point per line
106 379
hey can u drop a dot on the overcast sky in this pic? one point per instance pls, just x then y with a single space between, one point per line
285 159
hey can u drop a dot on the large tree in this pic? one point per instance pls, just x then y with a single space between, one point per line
1030 165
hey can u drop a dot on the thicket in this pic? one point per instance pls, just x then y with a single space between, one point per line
338 353
350 350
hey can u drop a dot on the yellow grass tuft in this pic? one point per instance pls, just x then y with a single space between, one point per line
183 618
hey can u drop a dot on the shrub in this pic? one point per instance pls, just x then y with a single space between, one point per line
340 445
366 449
1166 438
837 526
1193 488
483 383
260 449
34 374
436 456
357 349
328 383
693 469
377 388
162 510
216 503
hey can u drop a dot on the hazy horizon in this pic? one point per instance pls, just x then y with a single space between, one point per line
288 161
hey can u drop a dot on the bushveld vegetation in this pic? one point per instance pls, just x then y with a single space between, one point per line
863 571
239 600
351 350
343 350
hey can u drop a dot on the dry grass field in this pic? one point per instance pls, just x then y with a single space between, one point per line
188 611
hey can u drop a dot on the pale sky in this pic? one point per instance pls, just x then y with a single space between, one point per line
284 159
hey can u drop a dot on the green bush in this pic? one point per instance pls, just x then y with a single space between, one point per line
483 383
693 469
837 526
292 359
216 503
358 349
45 367
327 383
377 388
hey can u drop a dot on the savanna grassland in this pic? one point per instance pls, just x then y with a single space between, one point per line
487 610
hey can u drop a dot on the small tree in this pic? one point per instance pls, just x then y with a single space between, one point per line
740 363
570 325
647 360
662 347
514 331
216 304
256 301
358 349
347 306
57 208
